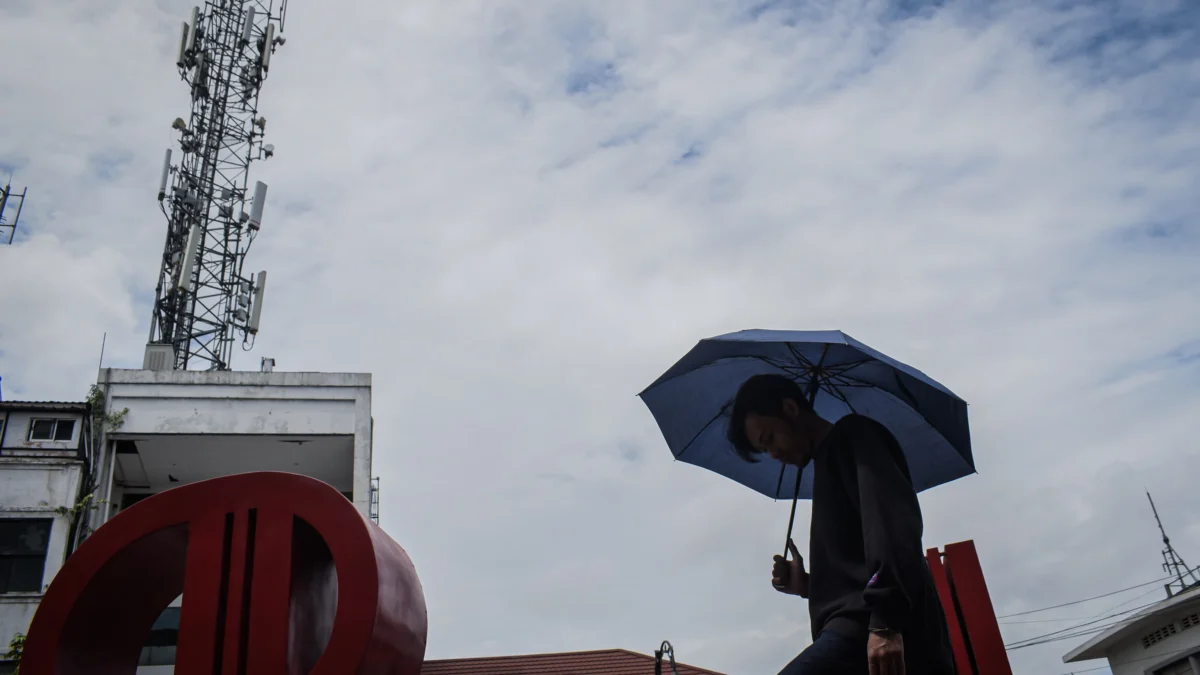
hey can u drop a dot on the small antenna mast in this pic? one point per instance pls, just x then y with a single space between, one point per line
1173 564
6 197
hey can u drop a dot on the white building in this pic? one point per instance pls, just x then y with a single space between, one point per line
45 456
184 426
1163 639
166 428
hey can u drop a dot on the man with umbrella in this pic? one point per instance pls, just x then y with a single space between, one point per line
872 603
875 433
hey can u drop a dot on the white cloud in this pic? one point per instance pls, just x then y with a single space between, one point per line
974 193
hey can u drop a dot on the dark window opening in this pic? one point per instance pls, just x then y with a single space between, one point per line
41 430
64 430
23 543
51 430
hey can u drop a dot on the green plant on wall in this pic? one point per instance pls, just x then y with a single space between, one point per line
112 421
86 503
101 423
15 647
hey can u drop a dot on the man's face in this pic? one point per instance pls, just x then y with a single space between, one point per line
787 439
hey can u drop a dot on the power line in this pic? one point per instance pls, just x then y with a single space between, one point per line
1083 618
1066 633
1085 599
1041 639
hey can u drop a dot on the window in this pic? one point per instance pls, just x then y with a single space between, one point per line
51 430
23 544
159 649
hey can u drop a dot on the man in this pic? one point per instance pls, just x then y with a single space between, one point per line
871 598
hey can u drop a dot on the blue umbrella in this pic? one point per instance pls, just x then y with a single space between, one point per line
691 403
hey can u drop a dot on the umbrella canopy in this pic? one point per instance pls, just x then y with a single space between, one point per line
691 403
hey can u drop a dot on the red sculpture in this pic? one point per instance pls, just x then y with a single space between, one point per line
280 575
974 631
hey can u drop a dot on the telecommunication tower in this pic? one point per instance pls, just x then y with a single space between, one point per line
6 198
204 301
1184 577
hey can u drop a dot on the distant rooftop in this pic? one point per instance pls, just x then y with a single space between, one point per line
48 406
602 662
1098 646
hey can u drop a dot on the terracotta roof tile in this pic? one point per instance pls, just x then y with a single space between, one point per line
604 662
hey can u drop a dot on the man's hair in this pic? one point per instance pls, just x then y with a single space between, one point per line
762 395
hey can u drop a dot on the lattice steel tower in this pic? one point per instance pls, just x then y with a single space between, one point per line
204 302
1184 577
9 198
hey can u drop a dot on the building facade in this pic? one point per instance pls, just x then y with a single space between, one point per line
66 469
46 456
1163 639
173 427
182 426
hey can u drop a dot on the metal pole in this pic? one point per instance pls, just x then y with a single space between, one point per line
792 519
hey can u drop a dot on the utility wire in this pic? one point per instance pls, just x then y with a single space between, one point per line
1079 602
1083 618
1074 631
1041 639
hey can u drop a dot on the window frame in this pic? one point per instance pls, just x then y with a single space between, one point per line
56 422
49 525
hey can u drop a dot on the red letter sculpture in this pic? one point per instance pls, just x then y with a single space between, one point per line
280 575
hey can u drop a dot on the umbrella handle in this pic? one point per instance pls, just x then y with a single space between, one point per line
813 388
792 519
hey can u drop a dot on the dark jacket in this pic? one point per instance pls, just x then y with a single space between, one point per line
866 560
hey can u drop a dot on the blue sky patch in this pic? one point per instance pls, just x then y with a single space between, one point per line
586 78
109 164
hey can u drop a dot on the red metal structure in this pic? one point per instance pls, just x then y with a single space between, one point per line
974 631
280 575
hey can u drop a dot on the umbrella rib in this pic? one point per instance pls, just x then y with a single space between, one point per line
833 391
912 400
704 428
840 369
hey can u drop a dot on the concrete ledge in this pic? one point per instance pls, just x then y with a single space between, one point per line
233 378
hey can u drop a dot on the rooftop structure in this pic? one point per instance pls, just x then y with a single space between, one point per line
1160 640
1163 639
178 427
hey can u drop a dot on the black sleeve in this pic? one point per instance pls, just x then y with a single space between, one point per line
891 524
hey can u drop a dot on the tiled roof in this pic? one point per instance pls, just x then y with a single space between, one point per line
605 662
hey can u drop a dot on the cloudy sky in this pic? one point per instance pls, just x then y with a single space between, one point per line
517 213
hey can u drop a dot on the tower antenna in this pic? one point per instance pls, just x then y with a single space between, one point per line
7 197
204 300
1183 577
